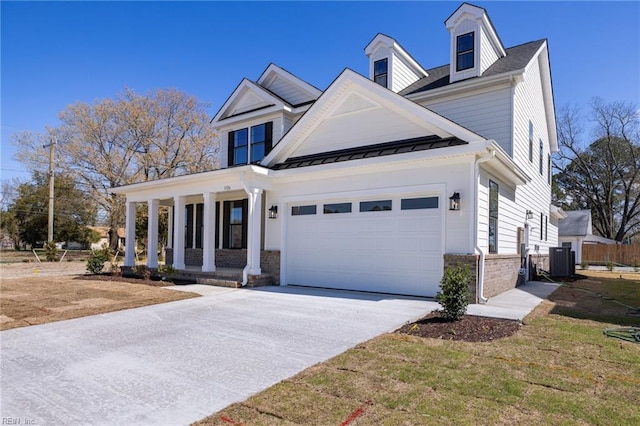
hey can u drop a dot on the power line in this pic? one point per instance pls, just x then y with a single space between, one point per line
15 170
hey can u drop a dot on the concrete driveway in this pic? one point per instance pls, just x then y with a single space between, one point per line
178 362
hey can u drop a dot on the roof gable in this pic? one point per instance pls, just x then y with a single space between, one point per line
470 11
287 86
248 97
577 223
355 102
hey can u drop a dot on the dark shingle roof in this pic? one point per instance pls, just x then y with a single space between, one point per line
370 151
575 224
517 58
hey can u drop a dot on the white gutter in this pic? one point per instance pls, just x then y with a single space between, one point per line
476 175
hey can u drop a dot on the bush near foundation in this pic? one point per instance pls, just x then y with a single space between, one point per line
454 292
96 261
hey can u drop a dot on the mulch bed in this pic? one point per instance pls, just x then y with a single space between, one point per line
470 328
132 280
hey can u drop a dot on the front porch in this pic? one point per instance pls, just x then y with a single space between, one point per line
211 227
229 267
223 277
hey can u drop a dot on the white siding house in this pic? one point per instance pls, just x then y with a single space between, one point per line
378 182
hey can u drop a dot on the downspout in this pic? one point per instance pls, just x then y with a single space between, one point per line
476 175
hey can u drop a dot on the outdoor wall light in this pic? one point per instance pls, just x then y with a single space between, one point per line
273 212
529 215
454 201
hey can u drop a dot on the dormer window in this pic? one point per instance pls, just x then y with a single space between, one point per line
380 68
464 52
250 145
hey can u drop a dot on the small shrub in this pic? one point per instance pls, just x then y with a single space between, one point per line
50 251
142 271
454 292
167 270
584 265
115 269
610 265
95 262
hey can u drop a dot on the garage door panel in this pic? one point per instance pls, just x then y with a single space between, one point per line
397 251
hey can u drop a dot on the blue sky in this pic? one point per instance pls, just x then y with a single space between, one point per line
56 53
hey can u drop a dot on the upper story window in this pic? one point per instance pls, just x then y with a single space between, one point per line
541 157
549 169
250 145
238 146
464 52
530 141
380 71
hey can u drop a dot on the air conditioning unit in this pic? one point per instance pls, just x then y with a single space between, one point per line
562 262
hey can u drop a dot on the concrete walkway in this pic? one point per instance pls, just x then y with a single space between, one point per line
514 304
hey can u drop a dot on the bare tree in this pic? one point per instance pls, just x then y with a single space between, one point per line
603 176
133 138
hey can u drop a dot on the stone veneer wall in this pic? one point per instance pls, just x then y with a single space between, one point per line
232 258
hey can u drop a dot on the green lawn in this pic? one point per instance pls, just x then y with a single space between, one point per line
558 369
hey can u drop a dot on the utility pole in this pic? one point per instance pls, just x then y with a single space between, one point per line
51 193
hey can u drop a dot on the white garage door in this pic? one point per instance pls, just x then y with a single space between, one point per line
388 245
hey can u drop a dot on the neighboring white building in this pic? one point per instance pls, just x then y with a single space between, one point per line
576 229
103 232
360 176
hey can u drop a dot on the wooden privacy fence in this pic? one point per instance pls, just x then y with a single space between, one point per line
617 253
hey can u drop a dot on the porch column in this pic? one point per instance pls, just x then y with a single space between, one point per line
254 228
170 227
152 233
178 232
130 244
209 233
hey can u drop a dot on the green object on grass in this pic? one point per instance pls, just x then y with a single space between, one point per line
630 334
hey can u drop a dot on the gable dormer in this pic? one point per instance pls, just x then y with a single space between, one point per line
287 86
474 45
257 114
390 65
248 98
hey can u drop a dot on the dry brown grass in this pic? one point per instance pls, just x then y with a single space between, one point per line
36 299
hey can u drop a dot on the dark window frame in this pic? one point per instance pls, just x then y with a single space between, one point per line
305 210
337 208
199 224
546 227
188 231
384 76
227 209
466 53
494 212
541 158
419 203
233 150
530 141
370 206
